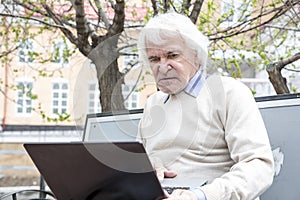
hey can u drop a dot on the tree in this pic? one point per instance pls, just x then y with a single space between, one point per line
276 78
268 33
241 26
71 19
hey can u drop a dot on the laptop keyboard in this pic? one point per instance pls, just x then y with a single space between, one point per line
171 189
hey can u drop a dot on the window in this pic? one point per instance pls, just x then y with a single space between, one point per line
130 96
59 97
93 101
61 52
26 54
130 60
24 97
228 10
234 11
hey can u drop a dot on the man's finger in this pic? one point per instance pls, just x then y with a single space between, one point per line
160 173
170 174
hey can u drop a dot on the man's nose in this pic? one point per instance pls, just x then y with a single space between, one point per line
164 68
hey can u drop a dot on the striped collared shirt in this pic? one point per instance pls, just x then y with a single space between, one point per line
194 86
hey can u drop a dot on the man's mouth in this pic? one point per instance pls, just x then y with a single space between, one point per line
166 78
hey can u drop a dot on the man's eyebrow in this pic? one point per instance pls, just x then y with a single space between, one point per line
149 57
174 51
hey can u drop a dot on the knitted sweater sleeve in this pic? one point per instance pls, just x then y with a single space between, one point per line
249 147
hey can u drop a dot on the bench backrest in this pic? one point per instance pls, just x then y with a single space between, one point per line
281 115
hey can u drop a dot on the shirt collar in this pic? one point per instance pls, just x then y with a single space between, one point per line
195 84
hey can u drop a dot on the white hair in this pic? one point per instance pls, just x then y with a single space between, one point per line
173 23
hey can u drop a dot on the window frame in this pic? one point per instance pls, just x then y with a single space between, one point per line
96 108
24 98
60 91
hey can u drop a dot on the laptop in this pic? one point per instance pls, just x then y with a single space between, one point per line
90 171
117 126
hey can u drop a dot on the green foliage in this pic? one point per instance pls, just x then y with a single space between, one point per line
26 91
230 48
293 89
143 83
57 118
18 37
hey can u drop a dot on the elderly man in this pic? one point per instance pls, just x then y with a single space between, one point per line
199 125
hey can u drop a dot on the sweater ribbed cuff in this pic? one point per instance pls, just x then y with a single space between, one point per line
211 193
199 193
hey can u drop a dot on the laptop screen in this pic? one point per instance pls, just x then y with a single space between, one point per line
121 126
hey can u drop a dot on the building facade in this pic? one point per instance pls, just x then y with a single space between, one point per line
63 89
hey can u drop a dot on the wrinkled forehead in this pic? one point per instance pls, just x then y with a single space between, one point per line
163 40
161 37
154 49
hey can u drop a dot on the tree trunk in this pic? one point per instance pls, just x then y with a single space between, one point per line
110 79
276 78
110 85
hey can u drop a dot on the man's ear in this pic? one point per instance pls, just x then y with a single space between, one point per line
196 60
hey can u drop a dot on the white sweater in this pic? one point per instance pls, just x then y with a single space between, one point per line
219 136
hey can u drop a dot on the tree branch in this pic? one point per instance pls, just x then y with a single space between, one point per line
275 76
32 19
60 24
186 4
102 14
33 8
3 54
83 28
196 10
283 28
154 6
166 5
289 60
119 18
30 7
241 26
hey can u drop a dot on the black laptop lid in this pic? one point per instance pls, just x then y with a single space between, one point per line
96 170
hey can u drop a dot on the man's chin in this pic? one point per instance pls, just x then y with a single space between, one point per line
169 90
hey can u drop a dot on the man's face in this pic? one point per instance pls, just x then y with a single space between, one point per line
172 64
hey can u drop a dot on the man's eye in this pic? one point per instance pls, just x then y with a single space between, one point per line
154 59
173 55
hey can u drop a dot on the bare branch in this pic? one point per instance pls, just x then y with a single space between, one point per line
32 7
119 18
196 10
283 28
287 61
29 6
102 14
136 82
8 52
279 11
166 5
83 27
186 4
57 20
275 76
32 19
154 6
292 70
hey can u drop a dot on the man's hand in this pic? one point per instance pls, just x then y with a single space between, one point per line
182 195
161 171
